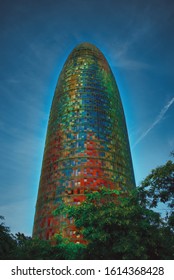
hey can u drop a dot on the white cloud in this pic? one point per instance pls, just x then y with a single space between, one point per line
157 120
122 54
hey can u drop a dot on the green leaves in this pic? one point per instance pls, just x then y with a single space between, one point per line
115 224
157 190
7 242
118 225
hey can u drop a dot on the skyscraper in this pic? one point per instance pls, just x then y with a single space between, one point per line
87 144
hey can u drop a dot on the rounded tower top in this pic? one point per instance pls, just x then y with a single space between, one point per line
86 51
86 45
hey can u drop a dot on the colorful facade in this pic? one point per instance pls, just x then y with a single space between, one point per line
87 143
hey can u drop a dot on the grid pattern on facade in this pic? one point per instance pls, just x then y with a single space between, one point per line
87 144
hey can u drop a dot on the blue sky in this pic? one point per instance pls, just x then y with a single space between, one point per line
36 37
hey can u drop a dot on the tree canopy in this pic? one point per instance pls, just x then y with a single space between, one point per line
115 224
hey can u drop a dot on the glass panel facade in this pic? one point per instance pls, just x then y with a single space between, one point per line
87 144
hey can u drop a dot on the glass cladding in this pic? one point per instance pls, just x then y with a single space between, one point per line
86 145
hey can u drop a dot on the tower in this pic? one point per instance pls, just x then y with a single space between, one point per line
87 144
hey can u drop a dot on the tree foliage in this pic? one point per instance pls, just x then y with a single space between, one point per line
157 191
7 242
21 247
115 224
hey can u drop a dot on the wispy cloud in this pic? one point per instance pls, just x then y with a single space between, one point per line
157 120
122 50
123 58
131 64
